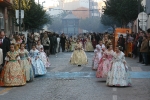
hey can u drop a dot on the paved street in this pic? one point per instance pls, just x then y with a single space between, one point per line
69 82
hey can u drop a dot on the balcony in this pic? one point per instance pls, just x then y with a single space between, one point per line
5 3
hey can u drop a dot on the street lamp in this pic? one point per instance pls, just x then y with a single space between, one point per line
1 16
42 3
19 15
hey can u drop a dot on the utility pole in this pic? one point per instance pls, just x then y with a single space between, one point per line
89 8
38 2
42 3
19 15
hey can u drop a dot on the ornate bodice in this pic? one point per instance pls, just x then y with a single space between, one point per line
109 54
119 57
12 55
23 54
34 53
78 45
39 47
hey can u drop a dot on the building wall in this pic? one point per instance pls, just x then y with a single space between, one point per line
81 14
148 22
148 12
71 5
7 18
54 11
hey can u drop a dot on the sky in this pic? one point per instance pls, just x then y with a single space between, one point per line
48 2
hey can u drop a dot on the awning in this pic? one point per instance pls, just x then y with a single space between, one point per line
5 3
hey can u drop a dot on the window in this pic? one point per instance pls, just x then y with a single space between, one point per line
1 21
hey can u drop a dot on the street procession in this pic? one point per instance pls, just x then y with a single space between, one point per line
74 50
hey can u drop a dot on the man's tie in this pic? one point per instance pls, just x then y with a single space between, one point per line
0 42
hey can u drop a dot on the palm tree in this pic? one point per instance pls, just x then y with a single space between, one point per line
25 4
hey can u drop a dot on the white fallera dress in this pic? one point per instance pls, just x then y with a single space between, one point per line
97 57
44 58
118 74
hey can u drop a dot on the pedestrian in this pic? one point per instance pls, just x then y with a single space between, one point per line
62 41
88 45
46 43
121 42
105 62
97 57
78 56
30 41
1 59
26 63
139 42
144 50
12 74
38 65
118 74
58 44
44 58
39 45
4 45
94 43
55 43
51 43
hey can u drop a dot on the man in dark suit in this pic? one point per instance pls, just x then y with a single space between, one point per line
4 45
121 42
62 41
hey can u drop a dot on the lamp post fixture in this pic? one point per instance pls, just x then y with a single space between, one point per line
42 3
1 16
19 15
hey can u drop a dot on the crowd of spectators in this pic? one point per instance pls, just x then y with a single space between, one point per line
139 43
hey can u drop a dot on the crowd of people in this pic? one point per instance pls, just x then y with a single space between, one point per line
107 63
23 58
139 44
19 65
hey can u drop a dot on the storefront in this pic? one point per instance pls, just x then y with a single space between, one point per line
4 16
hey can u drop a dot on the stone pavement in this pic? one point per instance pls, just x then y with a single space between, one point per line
69 82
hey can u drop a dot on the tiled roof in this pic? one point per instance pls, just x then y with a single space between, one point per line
70 16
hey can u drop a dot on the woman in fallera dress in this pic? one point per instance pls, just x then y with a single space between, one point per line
12 74
97 57
73 42
118 74
44 58
78 57
26 63
38 65
42 54
106 40
105 63
88 45
39 45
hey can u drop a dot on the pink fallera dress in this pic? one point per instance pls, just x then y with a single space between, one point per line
104 64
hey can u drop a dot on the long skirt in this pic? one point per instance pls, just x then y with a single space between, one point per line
89 47
103 68
12 75
28 70
78 57
38 67
118 75
44 59
96 60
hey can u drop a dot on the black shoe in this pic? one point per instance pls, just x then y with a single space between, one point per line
79 65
